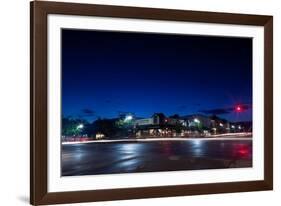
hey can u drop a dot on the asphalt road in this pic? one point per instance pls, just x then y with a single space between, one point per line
129 157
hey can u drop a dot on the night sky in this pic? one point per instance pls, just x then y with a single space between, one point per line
107 73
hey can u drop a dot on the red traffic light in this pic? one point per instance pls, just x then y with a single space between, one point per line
238 108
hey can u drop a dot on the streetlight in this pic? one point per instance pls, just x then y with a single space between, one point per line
128 118
221 124
80 126
196 121
79 129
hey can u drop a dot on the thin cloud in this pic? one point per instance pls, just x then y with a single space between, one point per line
217 111
87 112
228 110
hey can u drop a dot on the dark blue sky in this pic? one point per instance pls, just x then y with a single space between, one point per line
105 73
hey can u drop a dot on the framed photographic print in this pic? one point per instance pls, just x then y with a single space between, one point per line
133 102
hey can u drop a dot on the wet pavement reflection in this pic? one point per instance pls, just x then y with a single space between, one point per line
154 156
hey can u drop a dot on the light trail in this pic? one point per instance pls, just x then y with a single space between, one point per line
233 137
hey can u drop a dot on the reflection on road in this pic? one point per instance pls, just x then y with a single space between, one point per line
128 157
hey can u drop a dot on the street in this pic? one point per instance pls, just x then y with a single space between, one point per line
153 156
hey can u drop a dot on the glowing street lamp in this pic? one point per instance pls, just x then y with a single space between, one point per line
196 121
221 124
128 118
80 126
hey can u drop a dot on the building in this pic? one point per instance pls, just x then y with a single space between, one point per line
159 125
197 121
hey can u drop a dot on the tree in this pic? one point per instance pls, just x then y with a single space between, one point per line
175 116
107 127
70 127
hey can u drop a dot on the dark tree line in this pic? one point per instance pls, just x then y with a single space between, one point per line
109 127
